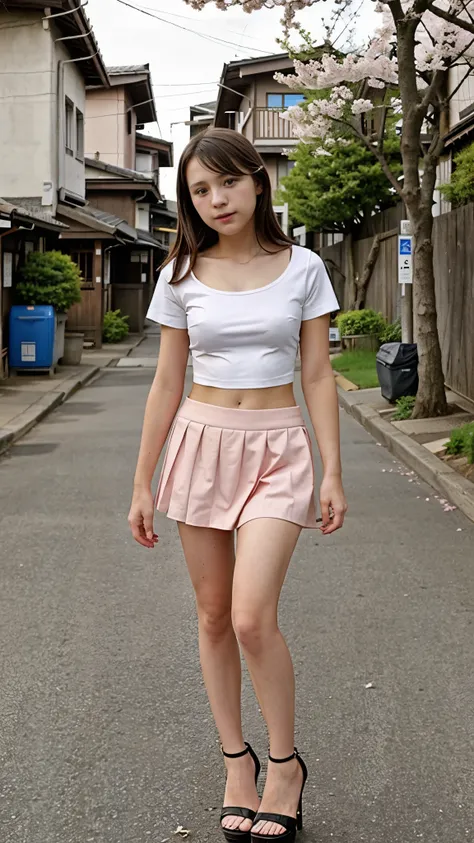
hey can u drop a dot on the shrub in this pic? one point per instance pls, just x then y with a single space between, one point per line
357 322
115 327
460 190
392 333
404 408
462 442
50 278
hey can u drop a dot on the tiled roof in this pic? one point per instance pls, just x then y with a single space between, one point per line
143 136
208 106
134 175
118 70
30 208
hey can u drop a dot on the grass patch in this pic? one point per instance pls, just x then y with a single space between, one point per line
358 367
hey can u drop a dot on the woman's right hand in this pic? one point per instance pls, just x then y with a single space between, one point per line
140 517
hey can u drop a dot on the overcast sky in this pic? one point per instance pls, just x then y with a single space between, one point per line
186 66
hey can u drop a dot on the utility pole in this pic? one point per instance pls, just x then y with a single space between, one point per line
405 279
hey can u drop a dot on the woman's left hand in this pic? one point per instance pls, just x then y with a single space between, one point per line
333 504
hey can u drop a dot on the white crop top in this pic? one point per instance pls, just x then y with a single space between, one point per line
245 339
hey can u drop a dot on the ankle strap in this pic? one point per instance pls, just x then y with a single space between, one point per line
294 754
236 754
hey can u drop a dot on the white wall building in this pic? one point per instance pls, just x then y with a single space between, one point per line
47 57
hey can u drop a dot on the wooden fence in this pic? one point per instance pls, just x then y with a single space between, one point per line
453 239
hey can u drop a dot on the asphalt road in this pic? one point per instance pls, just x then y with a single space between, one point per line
106 736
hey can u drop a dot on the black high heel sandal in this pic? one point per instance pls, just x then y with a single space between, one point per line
235 835
291 824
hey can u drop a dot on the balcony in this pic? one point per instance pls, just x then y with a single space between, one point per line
269 125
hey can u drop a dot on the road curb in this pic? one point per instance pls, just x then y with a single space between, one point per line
30 417
345 383
434 471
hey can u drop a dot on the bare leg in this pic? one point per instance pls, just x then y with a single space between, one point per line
264 550
210 559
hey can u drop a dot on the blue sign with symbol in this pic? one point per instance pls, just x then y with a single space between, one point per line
405 246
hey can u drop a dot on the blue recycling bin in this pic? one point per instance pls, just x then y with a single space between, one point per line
32 337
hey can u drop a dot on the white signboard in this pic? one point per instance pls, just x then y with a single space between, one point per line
334 335
28 352
7 269
405 259
405 227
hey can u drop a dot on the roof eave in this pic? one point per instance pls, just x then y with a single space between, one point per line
140 88
124 185
85 28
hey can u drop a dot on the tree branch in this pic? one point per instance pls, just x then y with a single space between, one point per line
383 122
360 285
433 88
453 93
450 18
466 9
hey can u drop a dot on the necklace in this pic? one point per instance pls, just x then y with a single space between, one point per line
240 263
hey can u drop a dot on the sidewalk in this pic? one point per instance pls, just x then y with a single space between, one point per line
410 441
26 399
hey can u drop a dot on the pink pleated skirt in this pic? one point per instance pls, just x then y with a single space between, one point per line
225 466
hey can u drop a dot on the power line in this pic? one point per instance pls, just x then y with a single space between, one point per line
19 25
211 38
183 94
180 84
34 94
188 17
23 72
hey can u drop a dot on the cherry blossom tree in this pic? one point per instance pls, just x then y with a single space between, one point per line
418 59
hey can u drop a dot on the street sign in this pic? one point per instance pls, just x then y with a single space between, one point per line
405 259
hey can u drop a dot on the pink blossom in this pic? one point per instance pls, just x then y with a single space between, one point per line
439 44
359 106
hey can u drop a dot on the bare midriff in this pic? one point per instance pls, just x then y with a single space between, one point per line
266 398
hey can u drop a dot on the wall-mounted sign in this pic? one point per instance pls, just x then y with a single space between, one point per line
7 269
405 259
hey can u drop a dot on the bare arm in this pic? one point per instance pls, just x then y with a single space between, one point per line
319 389
162 404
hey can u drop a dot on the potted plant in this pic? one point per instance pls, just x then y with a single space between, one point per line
51 278
360 329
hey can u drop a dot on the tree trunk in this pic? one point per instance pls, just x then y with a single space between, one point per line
431 397
351 277
361 285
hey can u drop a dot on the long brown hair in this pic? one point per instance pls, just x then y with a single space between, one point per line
226 152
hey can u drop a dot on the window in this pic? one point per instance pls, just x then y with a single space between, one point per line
283 100
69 126
129 121
284 167
79 135
84 259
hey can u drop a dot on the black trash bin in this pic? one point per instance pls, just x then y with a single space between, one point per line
397 369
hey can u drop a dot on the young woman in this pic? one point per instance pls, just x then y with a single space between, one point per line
241 297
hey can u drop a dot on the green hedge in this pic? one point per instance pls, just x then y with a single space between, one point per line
357 322
392 333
